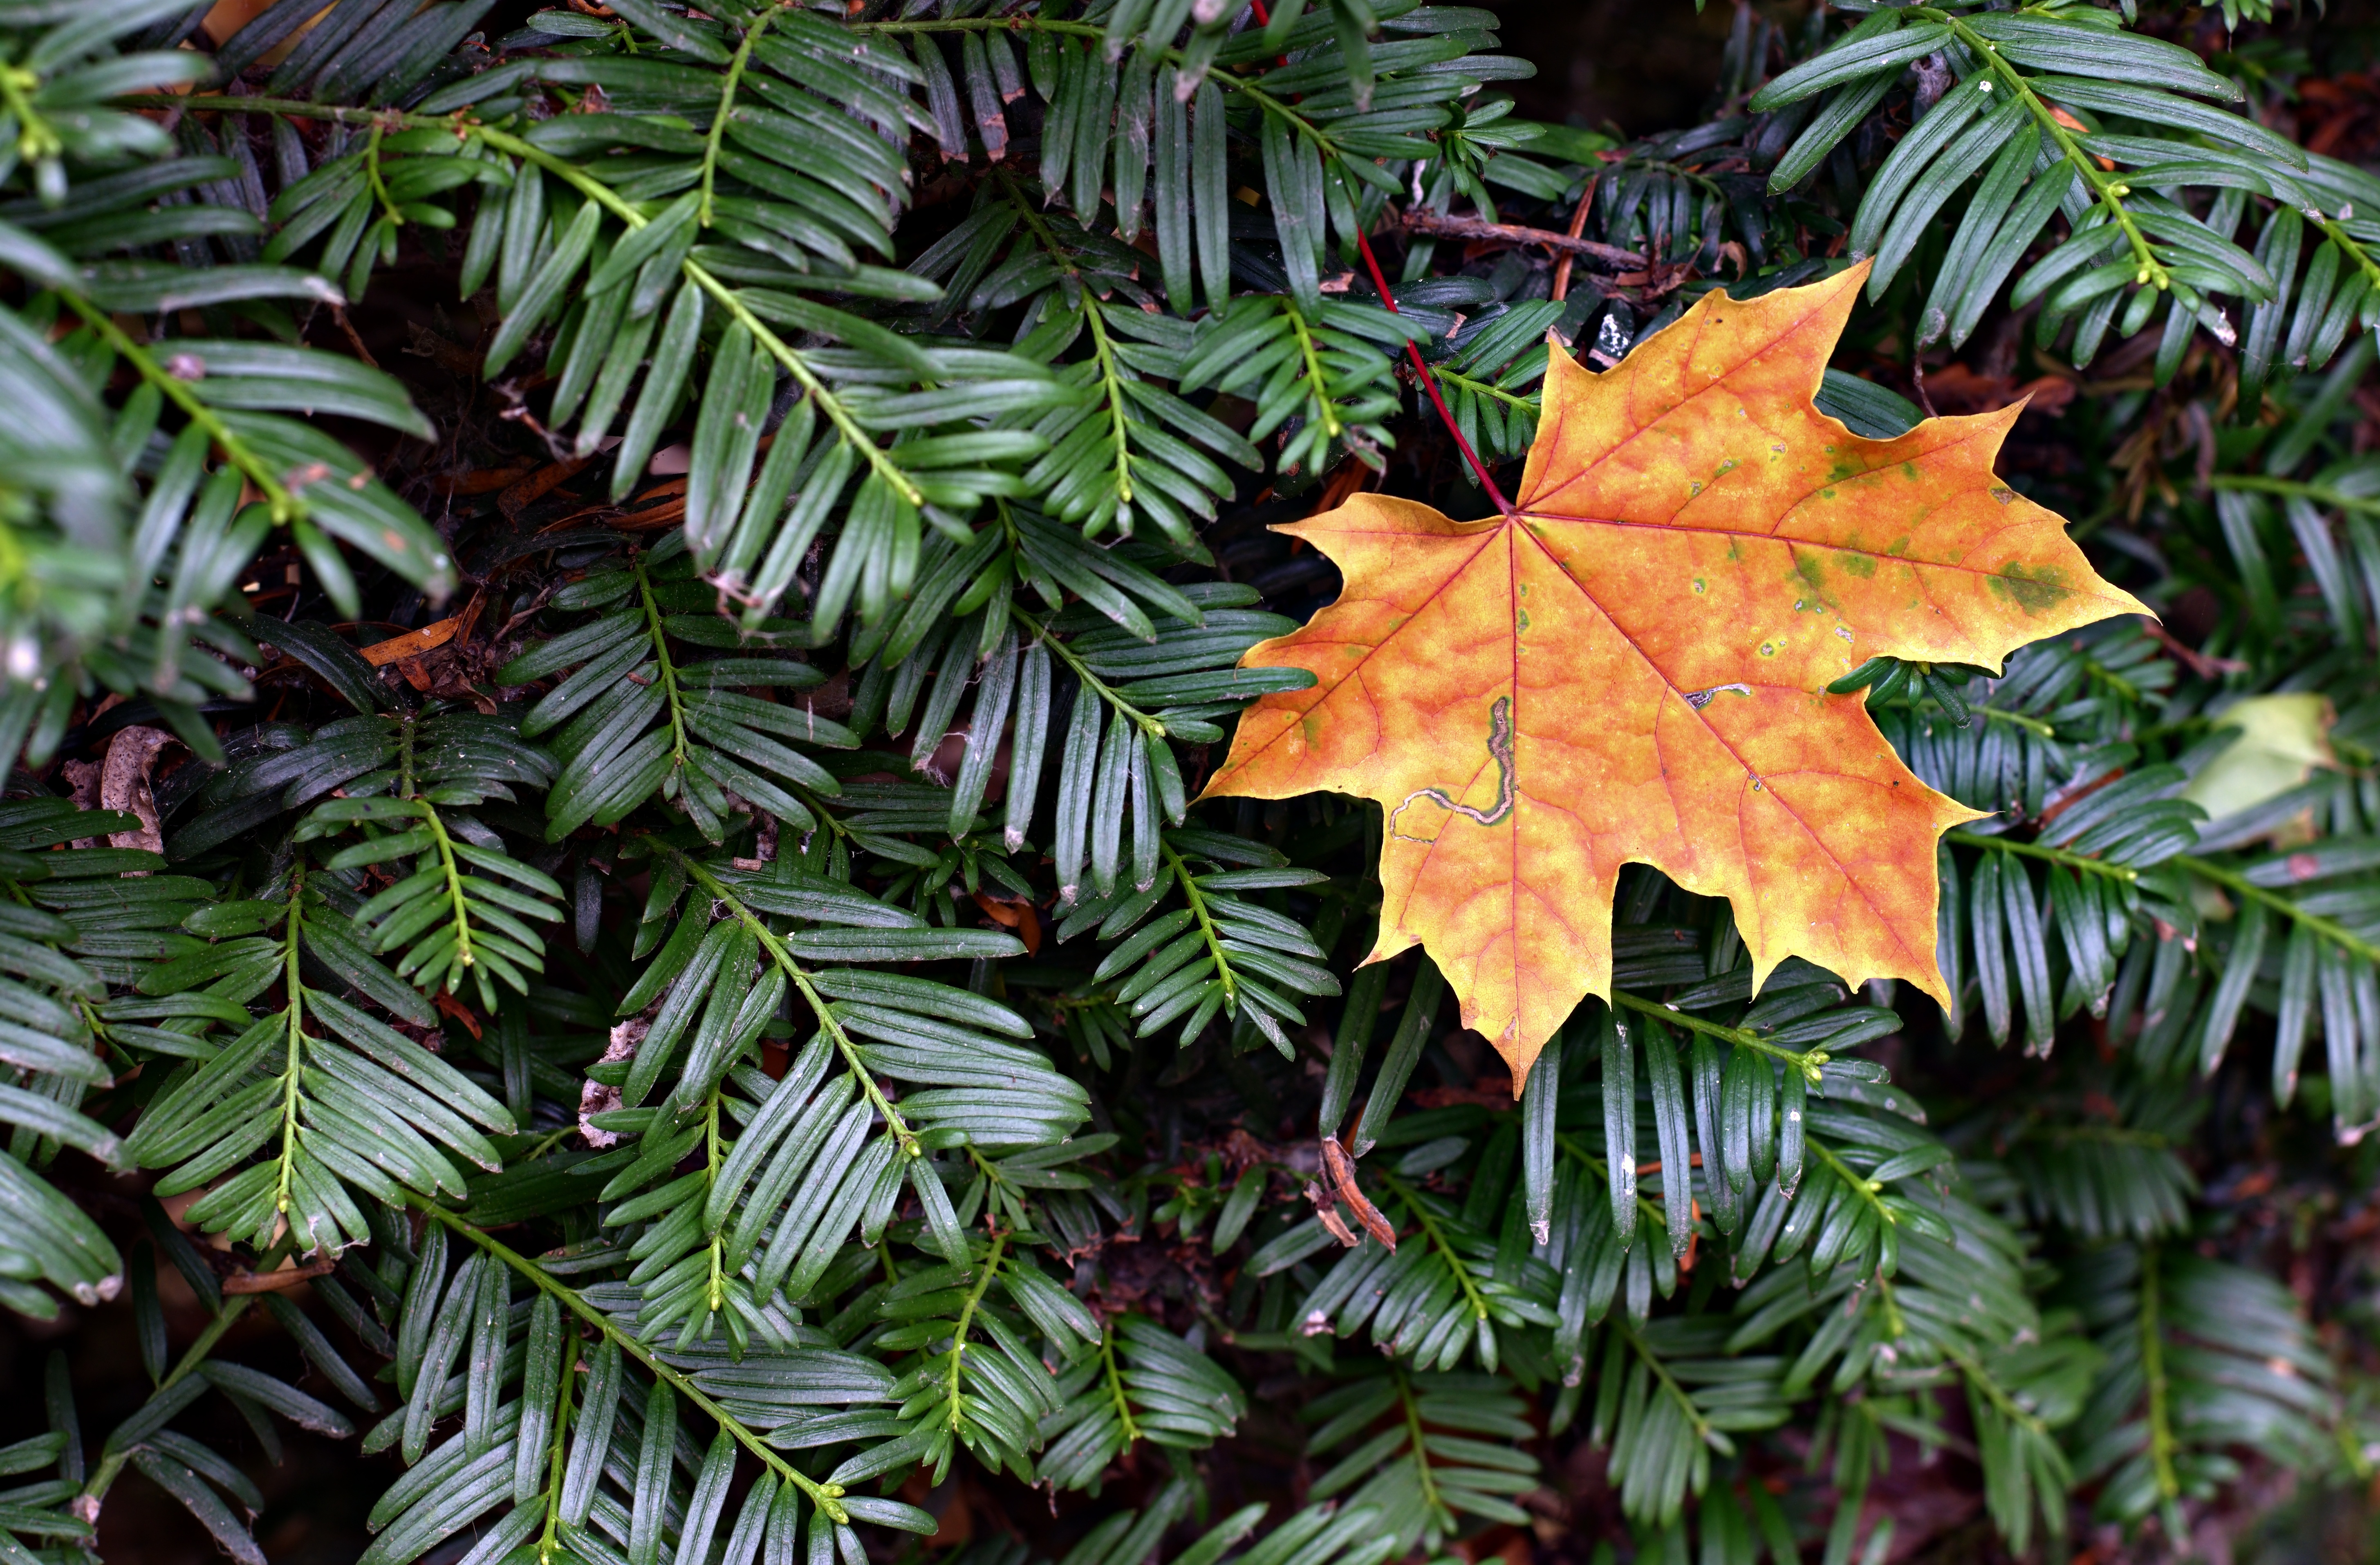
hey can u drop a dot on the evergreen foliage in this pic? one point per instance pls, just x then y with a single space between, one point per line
612 626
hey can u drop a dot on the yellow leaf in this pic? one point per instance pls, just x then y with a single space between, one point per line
1632 667
2282 739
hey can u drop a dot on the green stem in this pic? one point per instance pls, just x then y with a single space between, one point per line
718 1295
1199 910
795 365
2099 674
557 1456
882 464
727 85
1103 351
447 861
288 108
1315 382
1116 1387
299 108
103 1038
2346 245
1867 1189
819 812
1601 1171
286 507
1098 33
826 1496
1423 1477
296 1041
775 947
988 24
1978 1378
545 1146
371 173
1437 1237
1669 1383
668 675
1896 1324
2232 881
1272 105
1221 78
990 1172
1806 1062
967 1319
112 1460
2018 720
35 139
2160 1412
2319 495
1513 400
2350 1450
2104 186
2082 863
1065 655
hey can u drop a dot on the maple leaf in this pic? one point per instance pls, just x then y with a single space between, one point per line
1632 667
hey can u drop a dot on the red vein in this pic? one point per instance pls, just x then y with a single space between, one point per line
1373 649
1429 384
1722 741
1914 561
1263 17
1721 382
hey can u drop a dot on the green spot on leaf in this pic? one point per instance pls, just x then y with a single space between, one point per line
2031 590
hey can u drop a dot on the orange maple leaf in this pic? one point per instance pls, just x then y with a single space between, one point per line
1632 667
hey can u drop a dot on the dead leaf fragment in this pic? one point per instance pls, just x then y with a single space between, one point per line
412 644
123 785
1339 1175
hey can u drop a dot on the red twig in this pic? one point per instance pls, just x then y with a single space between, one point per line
1429 384
1264 19
1428 381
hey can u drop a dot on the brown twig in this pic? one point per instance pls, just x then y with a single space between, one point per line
1429 383
1420 220
339 314
273 1282
2197 662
